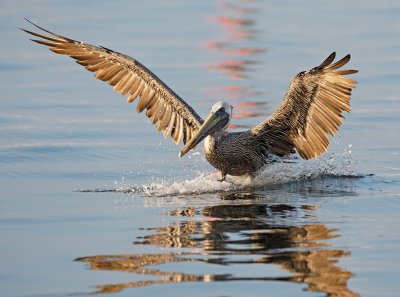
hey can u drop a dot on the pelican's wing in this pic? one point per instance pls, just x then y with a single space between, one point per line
311 109
129 77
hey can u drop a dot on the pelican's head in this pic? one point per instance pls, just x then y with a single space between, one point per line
217 120
223 110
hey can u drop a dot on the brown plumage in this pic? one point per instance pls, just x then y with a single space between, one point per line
311 110
129 77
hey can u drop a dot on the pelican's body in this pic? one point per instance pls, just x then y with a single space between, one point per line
311 109
234 153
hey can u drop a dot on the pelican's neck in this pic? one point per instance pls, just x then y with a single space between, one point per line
211 140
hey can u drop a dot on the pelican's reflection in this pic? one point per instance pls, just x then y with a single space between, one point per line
247 229
245 232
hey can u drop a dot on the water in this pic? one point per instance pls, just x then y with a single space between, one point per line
94 201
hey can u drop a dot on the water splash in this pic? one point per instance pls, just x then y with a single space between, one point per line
328 165
279 171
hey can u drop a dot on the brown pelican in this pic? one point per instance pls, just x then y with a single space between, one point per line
311 109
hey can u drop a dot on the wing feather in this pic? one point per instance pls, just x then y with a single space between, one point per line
312 108
163 124
171 123
118 77
145 99
155 109
129 77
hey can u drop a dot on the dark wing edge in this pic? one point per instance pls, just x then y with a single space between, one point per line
311 110
170 113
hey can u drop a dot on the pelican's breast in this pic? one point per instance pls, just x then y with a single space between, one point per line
209 145
233 153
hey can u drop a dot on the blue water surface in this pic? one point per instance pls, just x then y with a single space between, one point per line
94 201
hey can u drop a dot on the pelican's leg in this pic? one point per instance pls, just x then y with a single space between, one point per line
252 176
223 176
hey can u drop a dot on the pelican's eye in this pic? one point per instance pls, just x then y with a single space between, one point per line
222 109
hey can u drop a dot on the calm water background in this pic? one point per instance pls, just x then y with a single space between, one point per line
83 177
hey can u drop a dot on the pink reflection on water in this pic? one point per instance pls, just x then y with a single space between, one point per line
237 58
233 51
232 92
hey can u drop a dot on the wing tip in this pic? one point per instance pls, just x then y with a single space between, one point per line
343 61
328 60
45 30
26 31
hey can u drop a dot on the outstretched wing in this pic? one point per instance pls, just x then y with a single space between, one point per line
167 110
311 109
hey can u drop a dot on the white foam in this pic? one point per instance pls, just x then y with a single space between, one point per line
279 172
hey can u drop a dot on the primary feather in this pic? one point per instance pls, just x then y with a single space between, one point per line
312 109
129 77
